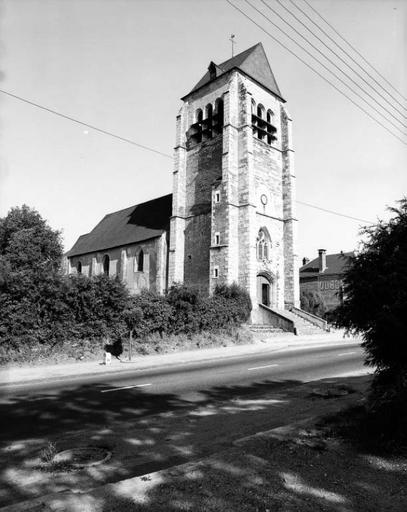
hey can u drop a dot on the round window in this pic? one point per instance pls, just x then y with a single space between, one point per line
263 199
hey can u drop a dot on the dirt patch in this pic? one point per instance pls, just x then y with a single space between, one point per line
282 471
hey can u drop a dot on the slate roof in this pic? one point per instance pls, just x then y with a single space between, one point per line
335 264
135 224
253 62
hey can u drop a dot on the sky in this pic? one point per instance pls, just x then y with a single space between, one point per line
123 66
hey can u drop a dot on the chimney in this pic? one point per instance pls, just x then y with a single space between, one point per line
305 261
212 70
322 259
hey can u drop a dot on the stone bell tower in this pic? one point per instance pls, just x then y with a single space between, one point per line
233 216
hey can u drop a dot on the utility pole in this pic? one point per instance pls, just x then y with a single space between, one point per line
232 40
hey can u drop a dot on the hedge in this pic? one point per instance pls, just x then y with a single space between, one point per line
59 309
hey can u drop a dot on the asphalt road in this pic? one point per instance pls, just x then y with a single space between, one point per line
301 364
156 418
56 405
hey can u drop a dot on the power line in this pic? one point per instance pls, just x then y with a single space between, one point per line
354 49
141 146
335 213
340 58
82 123
348 54
315 71
326 67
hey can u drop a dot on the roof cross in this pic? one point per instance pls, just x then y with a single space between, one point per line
232 40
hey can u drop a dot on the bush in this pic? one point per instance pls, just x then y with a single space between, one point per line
186 303
97 305
238 303
151 313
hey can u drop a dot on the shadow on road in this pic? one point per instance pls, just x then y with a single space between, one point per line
147 432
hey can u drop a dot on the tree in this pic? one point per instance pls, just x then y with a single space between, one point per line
375 293
375 306
28 243
31 289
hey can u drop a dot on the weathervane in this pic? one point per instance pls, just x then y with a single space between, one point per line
232 40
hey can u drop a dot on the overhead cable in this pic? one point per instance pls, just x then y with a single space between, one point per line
327 68
335 213
316 71
347 54
340 58
355 50
141 146
82 123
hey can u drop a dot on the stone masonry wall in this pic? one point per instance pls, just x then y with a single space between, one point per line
242 169
123 264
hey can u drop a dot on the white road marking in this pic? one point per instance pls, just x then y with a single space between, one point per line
346 354
260 367
125 387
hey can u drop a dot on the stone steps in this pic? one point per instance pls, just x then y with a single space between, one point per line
303 327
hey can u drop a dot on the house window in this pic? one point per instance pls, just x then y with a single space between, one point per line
215 272
140 261
217 238
79 267
106 264
217 196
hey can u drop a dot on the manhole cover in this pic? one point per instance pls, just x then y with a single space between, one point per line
333 392
83 457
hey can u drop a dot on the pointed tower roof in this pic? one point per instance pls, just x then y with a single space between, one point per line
253 62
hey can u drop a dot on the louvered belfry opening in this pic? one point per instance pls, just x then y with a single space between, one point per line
262 123
208 123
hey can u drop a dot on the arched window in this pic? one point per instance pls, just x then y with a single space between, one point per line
218 117
254 117
207 129
198 116
261 132
197 127
270 127
106 264
263 245
79 267
140 261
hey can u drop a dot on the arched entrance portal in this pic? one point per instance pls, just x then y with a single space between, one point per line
265 290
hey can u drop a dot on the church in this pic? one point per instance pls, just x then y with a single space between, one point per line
231 215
